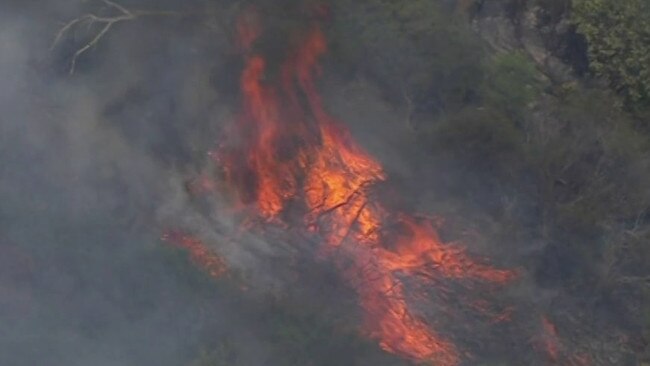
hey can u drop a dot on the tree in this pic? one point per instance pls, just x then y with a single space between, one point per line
618 34
419 51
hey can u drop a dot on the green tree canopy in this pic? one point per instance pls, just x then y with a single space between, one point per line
618 33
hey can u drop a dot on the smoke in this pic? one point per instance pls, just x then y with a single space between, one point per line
93 169
91 165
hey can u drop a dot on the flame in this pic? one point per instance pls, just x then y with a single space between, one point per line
550 339
422 248
556 353
199 253
286 154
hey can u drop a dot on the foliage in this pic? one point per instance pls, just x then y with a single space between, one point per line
476 133
306 335
572 158
618 33
293 335
512 83
418 50
487 133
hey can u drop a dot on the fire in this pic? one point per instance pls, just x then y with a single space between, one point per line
291 163
555 351
199 253
550 339
422 247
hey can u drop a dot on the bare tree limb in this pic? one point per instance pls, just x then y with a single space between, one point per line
116 6
107 22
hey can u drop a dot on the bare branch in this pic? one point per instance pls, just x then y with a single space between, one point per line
106 22
117 6
65 28
93 42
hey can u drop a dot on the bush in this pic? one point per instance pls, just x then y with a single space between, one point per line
416 49
512 83
617 33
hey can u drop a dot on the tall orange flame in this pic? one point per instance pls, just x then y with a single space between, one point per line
291 153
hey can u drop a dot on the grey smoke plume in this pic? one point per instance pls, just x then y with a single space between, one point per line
91 168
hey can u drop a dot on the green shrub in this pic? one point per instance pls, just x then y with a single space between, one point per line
416 49
618 34
482 137
512 83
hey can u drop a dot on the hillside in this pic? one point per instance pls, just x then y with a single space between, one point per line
296 182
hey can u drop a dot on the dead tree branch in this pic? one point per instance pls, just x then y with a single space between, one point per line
106 22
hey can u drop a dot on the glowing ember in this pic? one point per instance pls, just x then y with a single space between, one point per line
289 153
199 253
